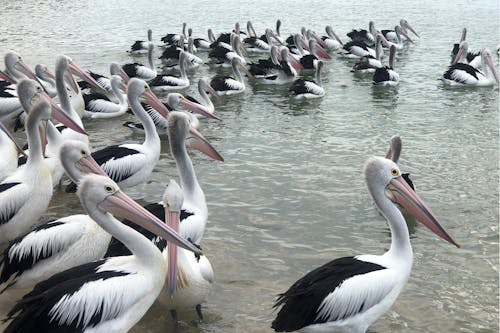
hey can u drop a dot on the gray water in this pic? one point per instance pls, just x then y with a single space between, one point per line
290 195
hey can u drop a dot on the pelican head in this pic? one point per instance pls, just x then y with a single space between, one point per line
77 160
139 88
386 183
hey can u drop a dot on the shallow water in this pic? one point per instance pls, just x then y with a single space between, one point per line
290 195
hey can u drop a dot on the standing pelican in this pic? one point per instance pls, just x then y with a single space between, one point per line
189 276
132 164
109 295
26 193
348 294
57 245
9 150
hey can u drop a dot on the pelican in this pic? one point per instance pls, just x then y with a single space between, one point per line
357 49
194 210
26 193
259 44
348 294
141 46
466 56
131 164
189 276
9 150
140 71
365 36
394 152
175 101
109 295
226 85
369 63
60 244
305 89
464 74
206 103
171 39
47 79
392 35
284 72
398 43
223 53
387 76
331 42
168 82
97 106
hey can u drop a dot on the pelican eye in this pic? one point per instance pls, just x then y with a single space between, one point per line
38 88
109 189
83 152
394 172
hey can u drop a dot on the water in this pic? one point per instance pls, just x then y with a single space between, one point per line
290 195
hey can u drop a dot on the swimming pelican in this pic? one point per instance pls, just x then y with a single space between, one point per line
141 71
305 89
398 43
97 106
466 56
331 42
348 294
131 164
282 73
226 85
26 193
60 244
141 46
165 82
394 152
365 36
464 74
387 76
109 295
173 39
392 35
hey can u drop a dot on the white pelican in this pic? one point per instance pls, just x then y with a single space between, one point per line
168 82
392 35
141 46
195 212
98 106
26 193
109 295
284 71
387 76
172 39
9 150
331 42
131 164
365 36
175 102
464 74
394 152
348 294
141 71
226 85
466 56
189 276
306 89
57 245
398 43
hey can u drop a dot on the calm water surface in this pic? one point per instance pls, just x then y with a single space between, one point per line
290 195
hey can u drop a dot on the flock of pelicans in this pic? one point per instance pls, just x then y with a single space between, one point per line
101 271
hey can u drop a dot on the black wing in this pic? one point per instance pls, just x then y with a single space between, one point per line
300 303
32 312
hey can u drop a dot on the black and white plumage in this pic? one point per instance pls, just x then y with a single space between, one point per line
99 106
165 82
466 56
173 39
141 46
283 72
144 72
467 75
131 164
60 244
306 89
387 76
331 42
365 36
223 53
263 43
399 41
109 295
350 293
25 194
226 85
392 35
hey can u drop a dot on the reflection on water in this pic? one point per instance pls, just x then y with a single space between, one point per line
290 195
